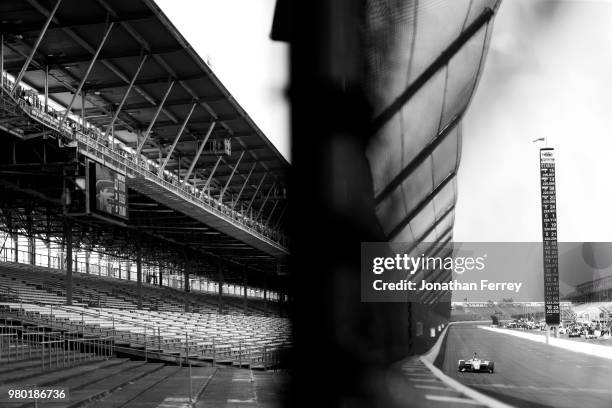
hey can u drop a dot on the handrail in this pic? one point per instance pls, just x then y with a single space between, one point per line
238 351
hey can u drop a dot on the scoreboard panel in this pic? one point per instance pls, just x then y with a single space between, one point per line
549 235
107 191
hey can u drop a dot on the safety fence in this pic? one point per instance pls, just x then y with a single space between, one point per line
51 349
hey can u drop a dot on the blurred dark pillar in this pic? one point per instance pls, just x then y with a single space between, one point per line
344 344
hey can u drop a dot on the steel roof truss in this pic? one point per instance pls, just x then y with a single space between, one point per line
176 139
125 95
26 64
229 179
265 200
87 72
199 152
160 106
246 180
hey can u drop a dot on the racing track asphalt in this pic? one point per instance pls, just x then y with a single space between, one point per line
527 373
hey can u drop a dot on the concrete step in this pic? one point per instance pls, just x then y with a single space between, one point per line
174 390
33 361
132 391
35 376
105 384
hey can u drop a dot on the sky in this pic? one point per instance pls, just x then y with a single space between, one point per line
234 37
547 74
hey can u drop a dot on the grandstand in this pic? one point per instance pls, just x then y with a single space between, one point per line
473 311
142 215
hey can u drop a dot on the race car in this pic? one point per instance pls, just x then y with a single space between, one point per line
476 365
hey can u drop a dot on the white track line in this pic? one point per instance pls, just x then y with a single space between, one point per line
443 398
434 387
481 398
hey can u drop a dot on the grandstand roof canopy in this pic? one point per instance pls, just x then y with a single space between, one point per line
140 29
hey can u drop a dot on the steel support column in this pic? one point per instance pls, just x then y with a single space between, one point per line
125 95
83 96
46 88
31 240
139 276
244 285
244 185
229 179
210 176
256 192
186 286
160 275
176 139
220 277
2 62
265 297
87 72
68 242
26 64
160 106
199 152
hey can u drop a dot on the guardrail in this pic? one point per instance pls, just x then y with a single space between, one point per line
152 340
52 349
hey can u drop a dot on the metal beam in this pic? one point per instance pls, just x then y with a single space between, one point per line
419 207
26 64
2 62
158 58
199 152
138 106
441 61
229 179
273 208
265 200
280 217
91 64
26 27
244 287
46 88
120 84
160 106
176 139
139 277
130 53
211 176
244 185
125 95
81 42
256 191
